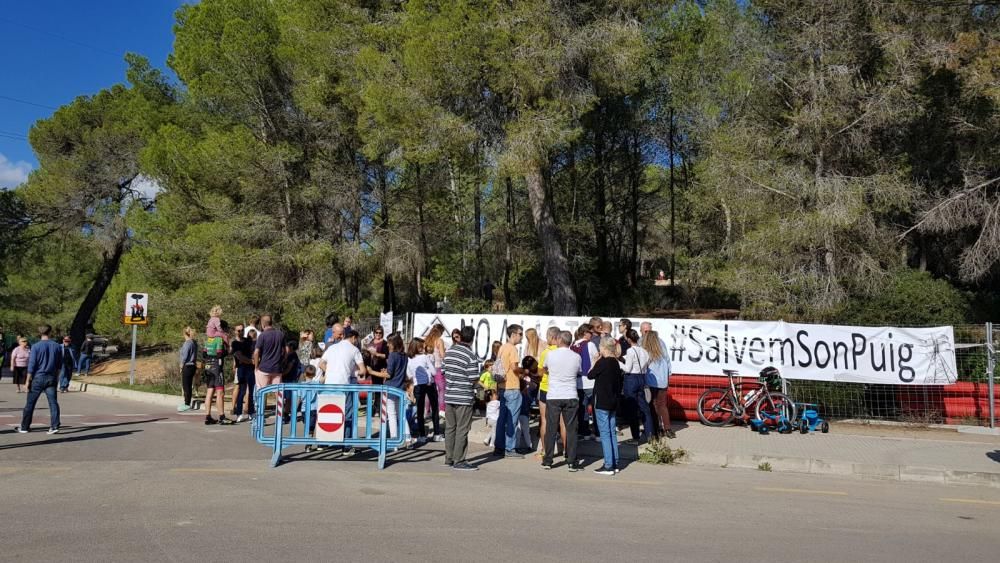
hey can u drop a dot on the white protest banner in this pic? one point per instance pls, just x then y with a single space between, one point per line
887 355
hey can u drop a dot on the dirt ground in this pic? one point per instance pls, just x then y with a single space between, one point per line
115 370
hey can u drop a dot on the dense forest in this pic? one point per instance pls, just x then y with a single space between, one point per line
834 161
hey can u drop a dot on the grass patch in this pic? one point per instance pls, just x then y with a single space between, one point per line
658 452
764 466
164 387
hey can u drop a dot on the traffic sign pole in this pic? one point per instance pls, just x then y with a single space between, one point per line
131 371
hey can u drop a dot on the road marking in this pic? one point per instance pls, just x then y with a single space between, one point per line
800 491
623 481
971 501
211 470
33 469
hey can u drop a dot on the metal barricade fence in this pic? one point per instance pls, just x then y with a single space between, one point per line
300 430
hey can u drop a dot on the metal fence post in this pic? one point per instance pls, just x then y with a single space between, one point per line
991 361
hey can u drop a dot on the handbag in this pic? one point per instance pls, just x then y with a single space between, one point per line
498 371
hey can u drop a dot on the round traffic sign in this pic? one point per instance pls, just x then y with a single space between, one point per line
330 417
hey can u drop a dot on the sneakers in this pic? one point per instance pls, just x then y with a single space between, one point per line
210 421
448 464
546 466
421 440
347 452
242 418
463 466
604 471
52 431
438 438
486 441
21 430
224 421
183 408
573 468
513 455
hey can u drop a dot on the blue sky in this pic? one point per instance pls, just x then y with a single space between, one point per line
55 50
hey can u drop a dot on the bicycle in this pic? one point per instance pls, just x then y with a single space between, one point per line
719 406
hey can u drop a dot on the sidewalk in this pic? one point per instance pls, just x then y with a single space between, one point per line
936 456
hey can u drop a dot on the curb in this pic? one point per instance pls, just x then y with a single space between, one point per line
139 396
885 472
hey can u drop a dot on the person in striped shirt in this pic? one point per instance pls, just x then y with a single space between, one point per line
461 372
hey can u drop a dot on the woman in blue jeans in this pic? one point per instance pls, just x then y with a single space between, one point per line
607 376
635 366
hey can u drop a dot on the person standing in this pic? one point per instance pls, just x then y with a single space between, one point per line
378 350
341 363
552 340
635 365
44 364
189 355
510 394
435 347
461 371
419 369
587 350
243 364
68 363
19 362
624 326
607 376
564 367
3 355
86 355
659 370
267 354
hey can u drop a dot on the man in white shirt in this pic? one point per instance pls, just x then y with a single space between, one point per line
341 362
564 367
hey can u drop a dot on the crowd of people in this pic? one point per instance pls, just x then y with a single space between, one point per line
45 367
581 383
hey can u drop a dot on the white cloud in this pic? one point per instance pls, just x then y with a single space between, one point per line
13 173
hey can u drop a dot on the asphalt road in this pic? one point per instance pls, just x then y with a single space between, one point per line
129 482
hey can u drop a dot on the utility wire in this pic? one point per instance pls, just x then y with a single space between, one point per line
13 135
61 37
26 102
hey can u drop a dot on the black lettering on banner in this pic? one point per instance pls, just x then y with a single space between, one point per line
697 343
838 348
905 355
725 342
713 348
858 349
825 361
892 354
785 342
479 338
805 347
677 350
738 354
756 349
880 367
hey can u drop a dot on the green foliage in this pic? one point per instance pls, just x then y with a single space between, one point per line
764 466
658 452
913 298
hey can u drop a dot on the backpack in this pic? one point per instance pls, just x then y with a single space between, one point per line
498 371
215 347
581 348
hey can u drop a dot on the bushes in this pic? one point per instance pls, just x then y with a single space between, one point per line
914 298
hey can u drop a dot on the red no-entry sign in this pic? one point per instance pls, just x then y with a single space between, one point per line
330 417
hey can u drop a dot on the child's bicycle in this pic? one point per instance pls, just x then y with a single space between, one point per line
810 420
720 406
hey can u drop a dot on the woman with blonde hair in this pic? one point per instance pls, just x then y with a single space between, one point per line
189 353
532 344
608 382
434 346
658 379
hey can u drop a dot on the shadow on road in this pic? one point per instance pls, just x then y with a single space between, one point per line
70 439
994 455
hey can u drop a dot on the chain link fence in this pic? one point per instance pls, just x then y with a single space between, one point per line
966 402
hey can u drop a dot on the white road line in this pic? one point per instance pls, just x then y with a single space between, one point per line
971 501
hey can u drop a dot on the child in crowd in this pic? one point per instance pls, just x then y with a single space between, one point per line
484 384
411 413
492 415
214 327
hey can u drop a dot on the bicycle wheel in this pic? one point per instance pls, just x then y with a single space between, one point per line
716 407
776 405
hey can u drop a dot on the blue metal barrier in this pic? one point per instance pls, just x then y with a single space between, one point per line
304 394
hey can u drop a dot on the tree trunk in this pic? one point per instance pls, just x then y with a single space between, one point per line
559 280
477 204
508 299
673 201
109 267
424 252
600 208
